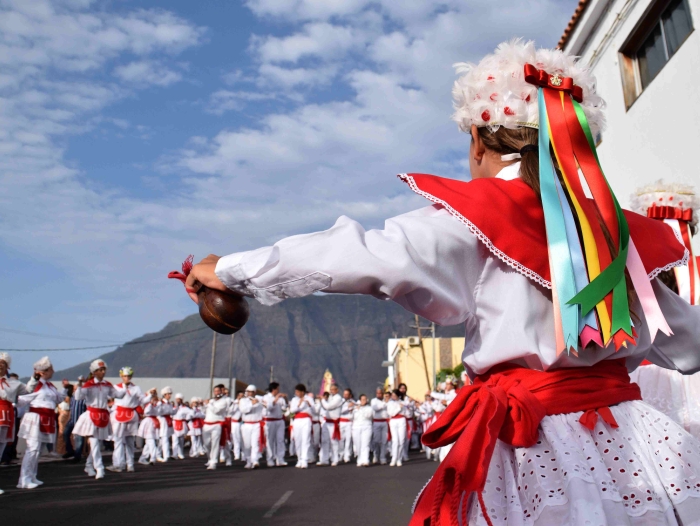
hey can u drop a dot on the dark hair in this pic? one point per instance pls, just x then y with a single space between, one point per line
506 140
397 392
363 394
349 391
220 386
239 392
69 390
300 387
273 386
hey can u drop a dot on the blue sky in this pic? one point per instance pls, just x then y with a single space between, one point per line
137 132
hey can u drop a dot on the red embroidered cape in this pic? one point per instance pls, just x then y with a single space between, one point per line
508 218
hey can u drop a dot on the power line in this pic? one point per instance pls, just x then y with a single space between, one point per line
106 346
55 337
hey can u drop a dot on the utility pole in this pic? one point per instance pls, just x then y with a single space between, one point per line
432 328
230 370
422 350
211 370
272 376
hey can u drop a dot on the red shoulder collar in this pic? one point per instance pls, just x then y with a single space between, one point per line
91 383
507 217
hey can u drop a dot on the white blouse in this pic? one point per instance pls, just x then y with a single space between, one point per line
431 264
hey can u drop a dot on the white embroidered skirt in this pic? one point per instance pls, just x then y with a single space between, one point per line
84 427
29 429
124 429
147 429
643 473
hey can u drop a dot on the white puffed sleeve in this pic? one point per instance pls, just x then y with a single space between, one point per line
426 261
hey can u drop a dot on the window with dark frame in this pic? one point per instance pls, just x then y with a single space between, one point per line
657 37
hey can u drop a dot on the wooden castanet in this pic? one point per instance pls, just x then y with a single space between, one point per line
223 312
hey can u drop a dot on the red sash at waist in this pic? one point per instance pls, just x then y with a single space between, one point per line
380 420
168 420
345 420
236 420
508 403
197 423
47 419
178 425
398 417
263 442
7 417
302 415
124 414
156 421
267 419
99 417
336 428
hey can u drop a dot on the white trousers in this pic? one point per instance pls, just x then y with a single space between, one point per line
123 455
329 447
301 434
364 441
356 439
211 435
346 440
165 447
150 451
274 439
30 462
178 446
250 432
380 441
94 459
315 442
406 442
196 447
398 438
236 439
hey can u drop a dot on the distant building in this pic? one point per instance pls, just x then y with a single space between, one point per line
645 55
410 361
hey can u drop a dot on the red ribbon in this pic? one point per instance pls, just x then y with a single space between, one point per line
508 403
669 212
543 79
336 428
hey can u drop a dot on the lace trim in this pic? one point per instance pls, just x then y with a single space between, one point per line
415 501
515 265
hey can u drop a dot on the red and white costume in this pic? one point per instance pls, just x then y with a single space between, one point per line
38 424
214 432
301 409
236 438
380 430
330 430
426 417
196 424
545 434
362 432
252 428
125 425
180 427
397 428
315 442
165 415
94 424
10 389
274 429
149 430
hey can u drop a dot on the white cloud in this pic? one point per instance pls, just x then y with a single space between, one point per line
225 100
145 72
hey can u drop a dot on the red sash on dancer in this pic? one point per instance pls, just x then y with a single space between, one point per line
124 414
197 423
7 418
47 419
168 420
99 417
508 403
302 415
178 425
266 419
156 422
225 430
336 428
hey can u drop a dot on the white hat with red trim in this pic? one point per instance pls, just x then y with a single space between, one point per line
97 364
43 365
166 390
178 396
6 358
251 388
495 91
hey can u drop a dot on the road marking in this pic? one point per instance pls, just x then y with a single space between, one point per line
277 505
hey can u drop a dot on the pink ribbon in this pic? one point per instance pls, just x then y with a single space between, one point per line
650 306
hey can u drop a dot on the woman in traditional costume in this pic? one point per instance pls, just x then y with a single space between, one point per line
560 299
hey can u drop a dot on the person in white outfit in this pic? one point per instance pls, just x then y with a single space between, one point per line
275 405
214 422
380 426
301 408
180 427
397 425
346 410
196 424
125 422
362 427
94 424
165 415
149 430
252 427
38 424
235 414
10 389
330 439
426 417
445 399
315 441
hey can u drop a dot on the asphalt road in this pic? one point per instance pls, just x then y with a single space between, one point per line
184 492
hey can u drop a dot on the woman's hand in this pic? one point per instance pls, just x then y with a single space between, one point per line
203 274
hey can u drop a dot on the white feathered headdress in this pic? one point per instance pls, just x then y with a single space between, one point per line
494 92
661 194
6 358
43 365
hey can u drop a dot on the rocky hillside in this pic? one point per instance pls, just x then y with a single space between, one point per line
299 337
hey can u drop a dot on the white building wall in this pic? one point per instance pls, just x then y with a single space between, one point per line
659 136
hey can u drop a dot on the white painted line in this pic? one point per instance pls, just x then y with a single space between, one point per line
277 505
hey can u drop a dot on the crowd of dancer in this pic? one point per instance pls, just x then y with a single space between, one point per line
316 429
